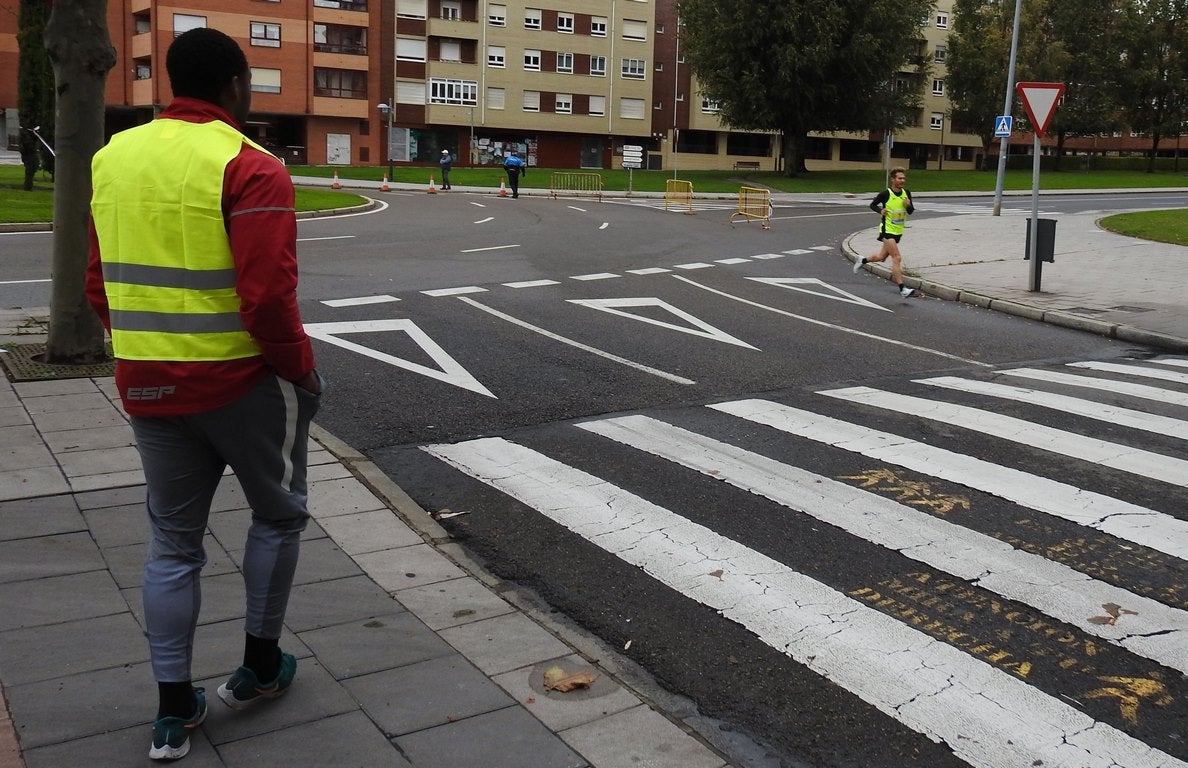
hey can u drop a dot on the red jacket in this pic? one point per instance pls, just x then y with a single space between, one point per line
262 229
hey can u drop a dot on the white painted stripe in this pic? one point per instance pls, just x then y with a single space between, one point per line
1123 519
1142 391
532 283
1136 461
575 208
1157 633
484 221
1126 417
732 261
693 265
331 237
22 282
492 248
649 271
455 291
605 224
823 248
833 326
986 716
578 344
768 256
479 205
1178 362
1134 370
595 276
797 251
360 300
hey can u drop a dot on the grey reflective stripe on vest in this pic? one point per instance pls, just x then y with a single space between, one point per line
164 322
168 277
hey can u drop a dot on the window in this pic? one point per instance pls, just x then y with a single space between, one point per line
412 9
340 83
496 98
451 91
411 49
634 69
497 15
563 103
265 80
144 69
941 53
266 35
531 101
709 106
565 23
938 87
143 25
340 38
532 59
597 105
942 21
657 105
496 56
936 121
631 109
659 66
598 26
410 93
531 18
564 62
449 50
451 10
659 29
183 22
635 30
598 66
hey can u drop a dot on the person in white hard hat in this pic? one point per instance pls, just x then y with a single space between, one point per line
446 162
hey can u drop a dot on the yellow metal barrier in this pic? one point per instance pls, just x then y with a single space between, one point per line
575 185
678 194
754 203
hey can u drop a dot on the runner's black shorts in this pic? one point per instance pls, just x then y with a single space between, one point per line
884 236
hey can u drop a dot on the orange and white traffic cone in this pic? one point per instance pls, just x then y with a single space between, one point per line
336 184
384 186
502 189
432 187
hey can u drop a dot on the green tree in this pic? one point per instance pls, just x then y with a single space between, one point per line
796 66
1153 79
35 89
81 53
979 54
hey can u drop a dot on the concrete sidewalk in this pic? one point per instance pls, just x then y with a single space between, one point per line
410 654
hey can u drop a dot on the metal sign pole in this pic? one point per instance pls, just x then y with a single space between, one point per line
1033 283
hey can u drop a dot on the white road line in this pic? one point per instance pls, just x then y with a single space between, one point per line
484 221
359 301
1179 363
1126 417
605 224
595 276
649 271
330 237
733 261
578 344
834 326
693 265
769 255
1158 633
478 205
1142 391
575 208
798 252
1136 461
1134 370
1122 519
492 248
822 248
23 282
455 291
986 716
532 283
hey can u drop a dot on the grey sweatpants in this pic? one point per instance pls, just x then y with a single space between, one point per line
262 437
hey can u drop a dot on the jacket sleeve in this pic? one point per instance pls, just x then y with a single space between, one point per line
880 201
95 289
911 208
262 228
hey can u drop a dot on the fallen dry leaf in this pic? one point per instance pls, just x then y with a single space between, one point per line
628 645
717 573
556 679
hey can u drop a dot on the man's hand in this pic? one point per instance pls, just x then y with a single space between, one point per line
309 382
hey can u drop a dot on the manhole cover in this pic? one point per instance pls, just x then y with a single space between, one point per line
20 360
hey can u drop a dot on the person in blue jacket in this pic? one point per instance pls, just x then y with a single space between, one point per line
515 169
446 162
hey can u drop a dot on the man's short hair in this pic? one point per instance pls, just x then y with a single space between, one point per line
201 62
899 170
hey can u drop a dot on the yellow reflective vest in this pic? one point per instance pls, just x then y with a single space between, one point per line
896 212
157 204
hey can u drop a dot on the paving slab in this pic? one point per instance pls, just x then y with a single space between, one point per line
26 559
404 567
639 736
454 602
59 599
337 601
362 532
33 654
40 516
504 643
342 741
383 642
558 710
501 739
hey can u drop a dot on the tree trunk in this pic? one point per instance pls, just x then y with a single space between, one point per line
1155 137
794 142
81 53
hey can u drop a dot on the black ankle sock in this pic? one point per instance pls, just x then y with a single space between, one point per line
176 700
262 656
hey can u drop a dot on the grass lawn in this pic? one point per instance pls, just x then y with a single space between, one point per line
1164 226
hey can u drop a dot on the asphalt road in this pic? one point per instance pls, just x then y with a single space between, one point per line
713 447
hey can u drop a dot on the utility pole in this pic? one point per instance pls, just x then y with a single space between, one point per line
1006 110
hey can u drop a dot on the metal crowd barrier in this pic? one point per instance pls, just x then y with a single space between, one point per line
575 185
677 195
754 203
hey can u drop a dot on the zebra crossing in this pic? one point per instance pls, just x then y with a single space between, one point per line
1111 473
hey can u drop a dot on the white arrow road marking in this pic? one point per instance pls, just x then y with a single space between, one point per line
359 301
837 295
451 372
614 307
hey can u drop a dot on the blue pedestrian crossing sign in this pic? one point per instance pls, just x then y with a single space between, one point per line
1002 126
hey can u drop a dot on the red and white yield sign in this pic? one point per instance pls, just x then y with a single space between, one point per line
1040 100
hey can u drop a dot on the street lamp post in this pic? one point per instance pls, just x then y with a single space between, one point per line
386 110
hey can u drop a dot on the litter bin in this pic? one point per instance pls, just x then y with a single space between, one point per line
1045 240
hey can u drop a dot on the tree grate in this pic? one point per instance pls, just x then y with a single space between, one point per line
21 364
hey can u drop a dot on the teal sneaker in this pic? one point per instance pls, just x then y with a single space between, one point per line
171 735
242 689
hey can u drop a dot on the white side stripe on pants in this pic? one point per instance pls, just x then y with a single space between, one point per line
986 716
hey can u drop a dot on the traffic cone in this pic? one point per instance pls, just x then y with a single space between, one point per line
502 189
432 187
336 184
384 187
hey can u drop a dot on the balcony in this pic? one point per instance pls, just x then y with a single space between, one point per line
468 30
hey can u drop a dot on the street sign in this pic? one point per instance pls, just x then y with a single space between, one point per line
632 164
1002 126
632 156
632 148
1040 100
